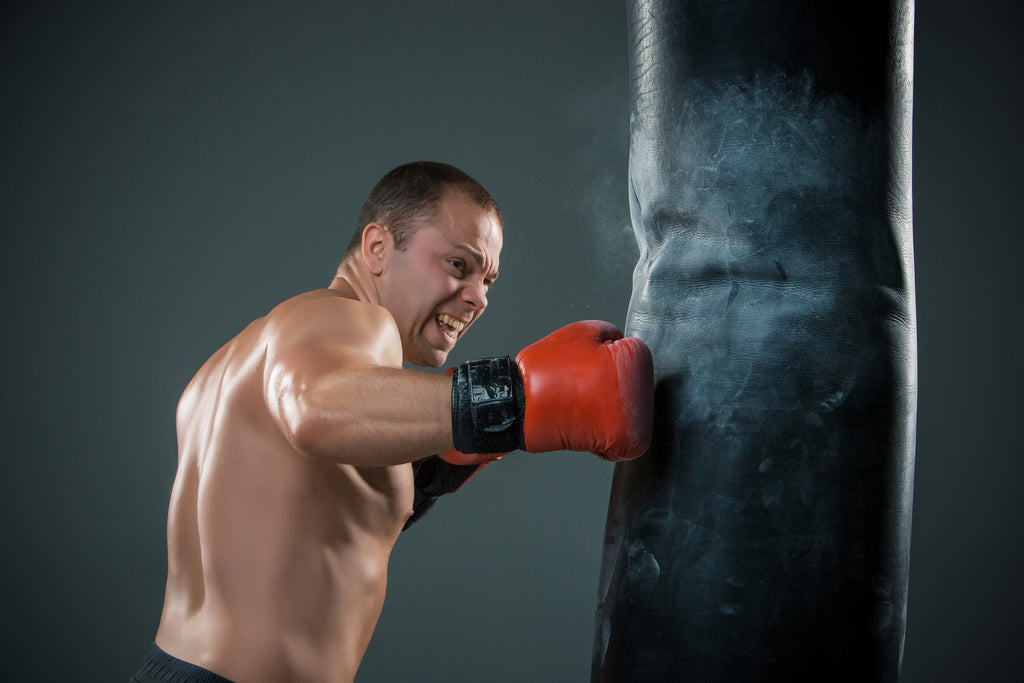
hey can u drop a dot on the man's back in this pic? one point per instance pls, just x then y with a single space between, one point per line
276 560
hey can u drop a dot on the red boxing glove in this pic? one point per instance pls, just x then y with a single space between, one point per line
581 388
460 458
588 389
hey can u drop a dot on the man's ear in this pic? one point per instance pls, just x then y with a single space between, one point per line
377 244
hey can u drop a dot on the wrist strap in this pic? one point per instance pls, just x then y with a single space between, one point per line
487 406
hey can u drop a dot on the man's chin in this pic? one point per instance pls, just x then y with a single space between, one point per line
430 359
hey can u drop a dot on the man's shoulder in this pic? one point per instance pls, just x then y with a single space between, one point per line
325 316
327 302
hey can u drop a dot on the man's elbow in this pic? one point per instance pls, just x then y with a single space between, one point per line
293 408
304 432
306 428
320 432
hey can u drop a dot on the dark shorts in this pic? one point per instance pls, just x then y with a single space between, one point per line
162 667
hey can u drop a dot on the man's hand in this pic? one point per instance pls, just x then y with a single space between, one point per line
581 388
439 475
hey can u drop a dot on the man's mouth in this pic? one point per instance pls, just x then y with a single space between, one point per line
449 325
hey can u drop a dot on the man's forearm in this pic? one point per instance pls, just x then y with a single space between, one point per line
369 416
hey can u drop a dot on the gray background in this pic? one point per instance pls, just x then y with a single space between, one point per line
172 170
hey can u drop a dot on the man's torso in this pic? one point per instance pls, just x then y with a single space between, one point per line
276 561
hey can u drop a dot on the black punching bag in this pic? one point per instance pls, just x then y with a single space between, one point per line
766 534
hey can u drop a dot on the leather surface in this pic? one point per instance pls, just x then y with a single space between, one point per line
588 389
487 407
765 535
435 477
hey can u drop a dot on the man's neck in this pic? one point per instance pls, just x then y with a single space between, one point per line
351 283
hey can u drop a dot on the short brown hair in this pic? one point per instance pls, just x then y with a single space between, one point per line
409 193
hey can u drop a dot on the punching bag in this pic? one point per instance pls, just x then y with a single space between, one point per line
765 536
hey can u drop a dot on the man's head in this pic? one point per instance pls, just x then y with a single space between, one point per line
430 239
407 196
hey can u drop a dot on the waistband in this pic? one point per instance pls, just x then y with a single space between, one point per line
160 667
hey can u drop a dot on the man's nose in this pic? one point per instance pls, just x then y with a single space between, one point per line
475 293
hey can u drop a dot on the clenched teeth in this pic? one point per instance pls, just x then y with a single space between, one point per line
453 323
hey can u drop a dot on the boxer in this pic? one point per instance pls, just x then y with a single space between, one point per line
296 439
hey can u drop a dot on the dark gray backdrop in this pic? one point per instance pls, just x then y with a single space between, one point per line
172 170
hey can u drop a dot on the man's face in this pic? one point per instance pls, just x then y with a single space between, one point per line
436 287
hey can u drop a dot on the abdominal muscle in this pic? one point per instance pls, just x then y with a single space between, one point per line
277 563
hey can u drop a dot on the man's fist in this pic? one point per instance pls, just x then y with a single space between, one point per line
588 389
439 475
581 388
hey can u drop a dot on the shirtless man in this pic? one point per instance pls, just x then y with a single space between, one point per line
295 439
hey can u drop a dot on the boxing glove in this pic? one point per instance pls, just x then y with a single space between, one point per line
582 388
438 475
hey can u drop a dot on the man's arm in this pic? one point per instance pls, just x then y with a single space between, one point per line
334 385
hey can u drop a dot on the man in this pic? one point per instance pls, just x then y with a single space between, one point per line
295 439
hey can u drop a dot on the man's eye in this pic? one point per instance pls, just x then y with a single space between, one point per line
458 264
